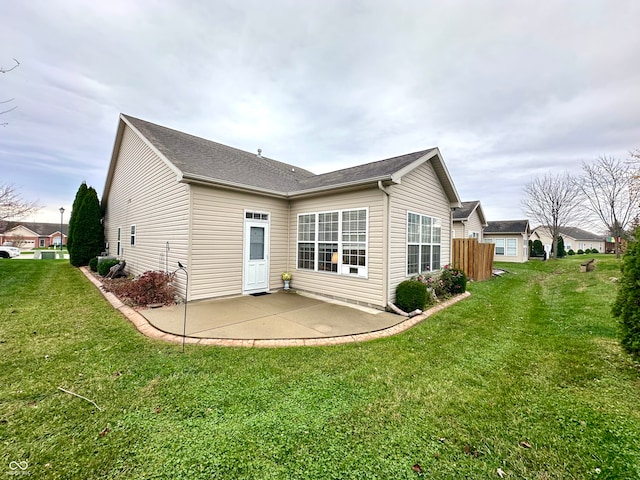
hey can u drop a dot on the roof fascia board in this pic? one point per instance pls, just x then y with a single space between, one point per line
112 163
168 162
20 225
122 122
483 219
397 176
202 180
340 186
440 169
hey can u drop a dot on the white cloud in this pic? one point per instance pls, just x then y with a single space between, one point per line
505 89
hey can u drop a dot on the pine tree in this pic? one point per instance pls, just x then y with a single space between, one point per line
88 235
73 219
627 304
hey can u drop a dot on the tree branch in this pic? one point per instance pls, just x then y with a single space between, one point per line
7 70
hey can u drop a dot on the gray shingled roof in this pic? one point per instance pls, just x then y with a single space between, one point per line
197 157
466 210
375 170
507 226
579 234
202 159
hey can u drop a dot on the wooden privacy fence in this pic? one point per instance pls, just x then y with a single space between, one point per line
473 257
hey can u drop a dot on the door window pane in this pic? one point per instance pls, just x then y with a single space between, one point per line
256 241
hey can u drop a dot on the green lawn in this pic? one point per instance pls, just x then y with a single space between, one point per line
525 376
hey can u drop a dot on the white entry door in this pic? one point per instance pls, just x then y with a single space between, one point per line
256 256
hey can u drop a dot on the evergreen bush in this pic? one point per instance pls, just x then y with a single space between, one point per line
561 251
537 249
411 295
86 232
571 252
580 251
627 304
93 264
594 250
105 265
73 218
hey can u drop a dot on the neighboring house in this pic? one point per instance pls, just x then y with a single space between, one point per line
511 239
469 221
574 239
238 220
28 235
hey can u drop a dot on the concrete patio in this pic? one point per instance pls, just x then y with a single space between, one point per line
280 315
277 320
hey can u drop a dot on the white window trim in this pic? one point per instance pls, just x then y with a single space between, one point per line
133 234
420 244
511 251
343 269
503 246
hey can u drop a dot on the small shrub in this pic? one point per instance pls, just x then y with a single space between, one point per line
411 295
435 285
580 251
146 289
571 252
105 265
93 264
594 250
455 280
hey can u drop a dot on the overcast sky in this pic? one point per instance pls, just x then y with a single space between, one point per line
506 89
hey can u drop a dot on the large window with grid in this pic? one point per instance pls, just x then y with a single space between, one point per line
423 243
333 242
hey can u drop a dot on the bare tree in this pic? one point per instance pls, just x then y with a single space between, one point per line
611 194
12 206
552 201
6 70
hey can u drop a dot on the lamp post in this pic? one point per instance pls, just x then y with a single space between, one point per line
61 214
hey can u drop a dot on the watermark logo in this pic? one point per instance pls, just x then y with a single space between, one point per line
18 468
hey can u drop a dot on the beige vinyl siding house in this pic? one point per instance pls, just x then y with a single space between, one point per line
142 193
469 221
511 239
238 220
364 288
218 219
28 235
574 239
409 198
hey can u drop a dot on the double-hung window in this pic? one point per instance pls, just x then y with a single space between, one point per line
354 240
328 241
307 241
423 243
499 243
512 247
133 234
333 242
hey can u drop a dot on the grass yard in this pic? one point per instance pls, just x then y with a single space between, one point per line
524 379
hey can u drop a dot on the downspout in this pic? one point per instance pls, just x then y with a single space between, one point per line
288 235
385 277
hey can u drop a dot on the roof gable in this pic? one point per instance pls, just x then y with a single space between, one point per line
467 210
